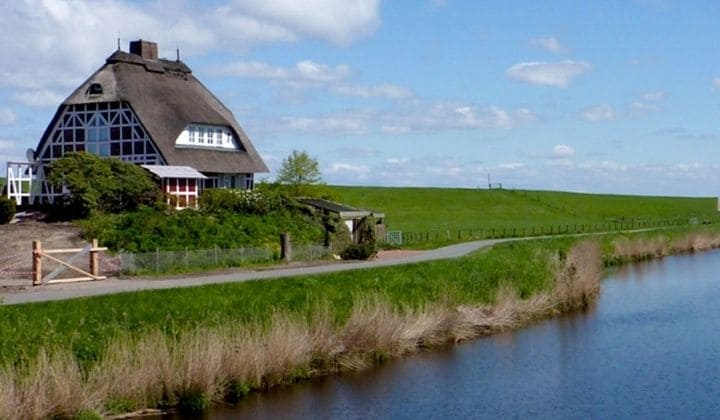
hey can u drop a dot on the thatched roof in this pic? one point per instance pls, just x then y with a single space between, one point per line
166 97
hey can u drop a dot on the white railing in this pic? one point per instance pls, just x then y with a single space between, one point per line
20 179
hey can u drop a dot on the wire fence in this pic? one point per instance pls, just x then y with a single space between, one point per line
19 266
174 261
445 235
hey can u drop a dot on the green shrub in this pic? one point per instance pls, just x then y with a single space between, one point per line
359 252
88 415
7 209
147 229
193 402
100 185
339 236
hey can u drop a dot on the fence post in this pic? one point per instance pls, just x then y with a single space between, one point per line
157 260
37 263
216 260
94 267
186 258
285 247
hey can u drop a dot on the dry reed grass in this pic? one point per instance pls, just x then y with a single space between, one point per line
157 371
626 249
697 241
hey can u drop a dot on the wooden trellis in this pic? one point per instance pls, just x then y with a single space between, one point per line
39 253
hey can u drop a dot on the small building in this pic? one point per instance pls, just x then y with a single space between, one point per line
150 111
352 217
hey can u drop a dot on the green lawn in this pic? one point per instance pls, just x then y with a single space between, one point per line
443 209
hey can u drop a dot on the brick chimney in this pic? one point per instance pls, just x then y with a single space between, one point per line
145 49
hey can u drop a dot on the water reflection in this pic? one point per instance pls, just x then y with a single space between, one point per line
648 349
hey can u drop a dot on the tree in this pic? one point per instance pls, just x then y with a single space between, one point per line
101 184
301 172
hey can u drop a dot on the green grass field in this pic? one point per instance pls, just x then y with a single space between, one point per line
440 209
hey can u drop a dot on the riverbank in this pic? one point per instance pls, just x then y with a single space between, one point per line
188 347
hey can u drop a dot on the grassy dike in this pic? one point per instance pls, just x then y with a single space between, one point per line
187 347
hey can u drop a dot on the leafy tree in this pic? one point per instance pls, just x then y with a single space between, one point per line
300 172
101 184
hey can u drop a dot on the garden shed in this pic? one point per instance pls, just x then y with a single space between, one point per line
149 111
352 217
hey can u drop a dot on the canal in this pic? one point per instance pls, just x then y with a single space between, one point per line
649 348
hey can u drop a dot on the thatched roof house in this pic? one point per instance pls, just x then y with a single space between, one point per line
152 111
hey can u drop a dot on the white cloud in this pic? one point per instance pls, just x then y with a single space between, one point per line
395 129
339 22
304 73
563 151
558 74
309 70
716 83
7 116
653 96
336 125
550 44
56 44
39 98
642 107
602 112
491 117
397 161
648 102
309 74
411 118
511 165
342 167
378 91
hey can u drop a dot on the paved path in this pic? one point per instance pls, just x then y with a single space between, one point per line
115 285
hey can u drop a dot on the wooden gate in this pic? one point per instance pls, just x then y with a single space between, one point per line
39 253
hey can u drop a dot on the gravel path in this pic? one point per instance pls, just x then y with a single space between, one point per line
115 285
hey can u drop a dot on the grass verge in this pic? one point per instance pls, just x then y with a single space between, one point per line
188 347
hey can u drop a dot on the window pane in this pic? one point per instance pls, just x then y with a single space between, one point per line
103 134
104 149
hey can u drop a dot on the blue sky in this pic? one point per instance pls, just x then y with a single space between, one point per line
616 97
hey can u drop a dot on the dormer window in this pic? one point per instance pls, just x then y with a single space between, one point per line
95 89
208 136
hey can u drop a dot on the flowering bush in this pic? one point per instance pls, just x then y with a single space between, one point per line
239 201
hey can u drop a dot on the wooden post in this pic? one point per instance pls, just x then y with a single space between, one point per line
285 247
37 263
94 266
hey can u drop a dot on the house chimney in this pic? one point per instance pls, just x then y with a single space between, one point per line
144 49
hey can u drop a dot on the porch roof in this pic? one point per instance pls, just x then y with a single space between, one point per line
169 171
